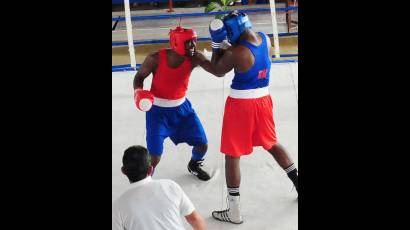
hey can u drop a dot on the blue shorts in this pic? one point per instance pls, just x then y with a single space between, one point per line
180 124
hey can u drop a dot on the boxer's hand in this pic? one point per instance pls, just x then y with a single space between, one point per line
218 33
143 99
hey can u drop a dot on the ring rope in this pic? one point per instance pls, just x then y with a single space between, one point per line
164 16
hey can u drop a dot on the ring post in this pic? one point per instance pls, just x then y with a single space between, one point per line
129 34
275 28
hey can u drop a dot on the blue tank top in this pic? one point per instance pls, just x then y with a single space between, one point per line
258 75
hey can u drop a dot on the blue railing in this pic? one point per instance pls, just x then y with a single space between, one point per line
165 16
163 41
128 67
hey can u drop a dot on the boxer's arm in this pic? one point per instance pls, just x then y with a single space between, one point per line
148 66
270 47
223 62
205 63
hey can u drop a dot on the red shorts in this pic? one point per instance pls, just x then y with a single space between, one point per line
247 123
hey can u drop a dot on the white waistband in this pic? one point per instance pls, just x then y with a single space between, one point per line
168 103
249 93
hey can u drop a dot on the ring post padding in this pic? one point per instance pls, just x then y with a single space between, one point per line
129 33
274 28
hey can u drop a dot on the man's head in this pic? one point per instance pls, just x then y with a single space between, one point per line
136 163
183 41
236 23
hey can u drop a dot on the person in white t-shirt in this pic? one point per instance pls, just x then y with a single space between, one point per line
151 204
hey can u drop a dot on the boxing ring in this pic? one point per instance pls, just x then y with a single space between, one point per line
268 198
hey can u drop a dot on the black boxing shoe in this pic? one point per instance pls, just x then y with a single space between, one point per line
194 167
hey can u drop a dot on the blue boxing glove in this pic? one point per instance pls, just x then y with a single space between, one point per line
218 33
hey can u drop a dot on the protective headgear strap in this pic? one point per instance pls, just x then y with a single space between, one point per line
178 37
236 23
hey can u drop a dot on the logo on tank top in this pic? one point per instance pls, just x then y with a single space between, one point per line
262 73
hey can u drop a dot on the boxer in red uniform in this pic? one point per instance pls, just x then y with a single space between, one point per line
171 114
248 118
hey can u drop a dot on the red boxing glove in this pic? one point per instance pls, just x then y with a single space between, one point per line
143 99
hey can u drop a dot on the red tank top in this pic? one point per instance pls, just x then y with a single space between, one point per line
170 83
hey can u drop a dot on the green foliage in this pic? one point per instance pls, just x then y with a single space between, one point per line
215 6
225 2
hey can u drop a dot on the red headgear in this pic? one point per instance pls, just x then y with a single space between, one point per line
179 36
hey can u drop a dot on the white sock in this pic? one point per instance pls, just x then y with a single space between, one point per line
233 191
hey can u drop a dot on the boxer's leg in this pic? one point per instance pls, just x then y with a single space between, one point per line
281 156
233 181
196 162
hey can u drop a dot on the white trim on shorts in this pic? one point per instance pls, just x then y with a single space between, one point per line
167 102
249 93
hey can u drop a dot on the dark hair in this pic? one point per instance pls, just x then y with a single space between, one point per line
136 162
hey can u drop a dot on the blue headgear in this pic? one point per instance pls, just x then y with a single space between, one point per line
235 23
